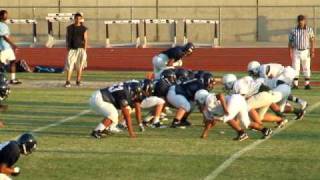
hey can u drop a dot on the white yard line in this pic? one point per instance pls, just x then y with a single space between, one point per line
215 173
39 129
61 121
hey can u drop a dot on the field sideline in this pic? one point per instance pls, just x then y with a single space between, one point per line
61 121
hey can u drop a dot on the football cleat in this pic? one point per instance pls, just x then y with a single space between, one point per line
300 114
67 84
177 124
78 83
282 123
266 133
307 87
241 137
185 122
158 125
15 81
97 134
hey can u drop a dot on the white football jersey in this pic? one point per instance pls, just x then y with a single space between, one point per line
270 70
213 107
271 83
246 86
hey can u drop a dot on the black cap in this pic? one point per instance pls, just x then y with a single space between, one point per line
301 17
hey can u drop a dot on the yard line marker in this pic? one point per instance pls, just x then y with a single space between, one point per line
61 121
214 174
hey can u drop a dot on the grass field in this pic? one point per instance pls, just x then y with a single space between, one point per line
66 151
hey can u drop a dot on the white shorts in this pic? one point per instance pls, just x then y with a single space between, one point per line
262 101
6 56
288 75
151 101
159 64
4 177
177 100
237 108
285 91
77 58
106 109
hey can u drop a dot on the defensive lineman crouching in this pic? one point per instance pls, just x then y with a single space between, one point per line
10 153
279 72
171 58
122 96
258 96
274 72
229 110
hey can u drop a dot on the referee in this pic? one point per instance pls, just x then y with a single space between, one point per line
301 48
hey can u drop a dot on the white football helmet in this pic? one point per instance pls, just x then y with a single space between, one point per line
253 67
201 96
228 80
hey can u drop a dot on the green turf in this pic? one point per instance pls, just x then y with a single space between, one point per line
67 152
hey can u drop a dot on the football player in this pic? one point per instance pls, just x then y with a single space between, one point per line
161 88
151 101
181 96
258 96
171 58
281 74
122 96
229 110
183 75
10 153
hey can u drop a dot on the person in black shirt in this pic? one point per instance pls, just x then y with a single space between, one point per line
123 96
77 43
10 153
171 58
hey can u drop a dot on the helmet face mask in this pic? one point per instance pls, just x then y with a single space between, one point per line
208 81
147 87
228 81
169 75
200 97
189 48
27 143
253 68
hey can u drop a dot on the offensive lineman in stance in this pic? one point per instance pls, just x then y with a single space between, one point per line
171 58
10 153
181 97
122 96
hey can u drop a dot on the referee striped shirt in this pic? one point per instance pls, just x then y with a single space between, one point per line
300 37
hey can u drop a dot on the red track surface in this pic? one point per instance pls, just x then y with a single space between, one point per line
218 59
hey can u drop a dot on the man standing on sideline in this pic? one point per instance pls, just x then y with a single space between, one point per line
301 49
76 41
7 48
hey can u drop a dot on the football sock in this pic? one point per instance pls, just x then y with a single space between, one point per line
100 127
307 81
13 76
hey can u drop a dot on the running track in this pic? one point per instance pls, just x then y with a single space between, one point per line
217 59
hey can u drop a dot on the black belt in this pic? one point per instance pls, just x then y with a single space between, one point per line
301 49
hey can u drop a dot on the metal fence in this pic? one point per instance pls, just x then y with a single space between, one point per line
259 24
